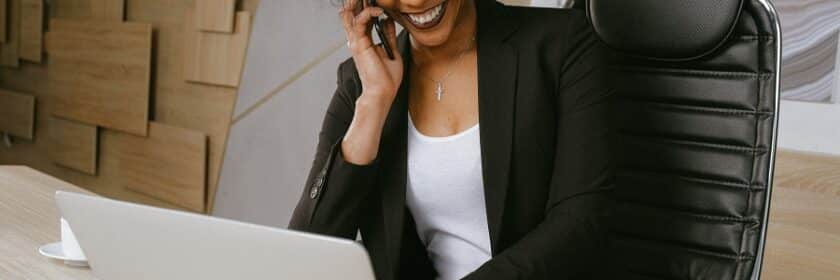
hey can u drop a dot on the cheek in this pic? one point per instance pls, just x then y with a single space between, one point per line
454 7
386 4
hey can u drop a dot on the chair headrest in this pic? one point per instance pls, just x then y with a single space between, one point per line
664 29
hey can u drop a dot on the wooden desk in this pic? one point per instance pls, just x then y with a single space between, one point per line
28 219
803 239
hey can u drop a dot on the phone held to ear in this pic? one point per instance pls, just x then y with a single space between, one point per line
377 24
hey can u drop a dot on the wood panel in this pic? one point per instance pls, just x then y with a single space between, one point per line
212 105
169 164
9 55
74 145
17 114
31 30
100 72
110 10
216 58
215 15
4 9
196 106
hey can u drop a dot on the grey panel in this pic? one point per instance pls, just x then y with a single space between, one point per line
270 149
270 152
286 36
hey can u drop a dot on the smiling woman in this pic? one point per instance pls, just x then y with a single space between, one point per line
428 18
479 152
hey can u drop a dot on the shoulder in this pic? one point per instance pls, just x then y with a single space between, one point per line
552 36
547 23
557 38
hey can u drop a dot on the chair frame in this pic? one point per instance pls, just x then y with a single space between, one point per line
777 30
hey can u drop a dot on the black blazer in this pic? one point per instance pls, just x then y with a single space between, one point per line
543 110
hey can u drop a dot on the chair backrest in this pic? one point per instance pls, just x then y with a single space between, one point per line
698 98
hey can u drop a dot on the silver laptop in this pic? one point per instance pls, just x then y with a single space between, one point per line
130 241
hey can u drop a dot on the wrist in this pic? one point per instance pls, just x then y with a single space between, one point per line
361 141
373 104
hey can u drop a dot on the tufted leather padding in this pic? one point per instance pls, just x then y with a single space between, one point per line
696 141
665 29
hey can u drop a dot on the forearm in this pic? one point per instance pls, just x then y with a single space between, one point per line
336 189
569 244
361 142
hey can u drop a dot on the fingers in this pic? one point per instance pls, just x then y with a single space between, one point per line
357 27
352 5
363 21
346 16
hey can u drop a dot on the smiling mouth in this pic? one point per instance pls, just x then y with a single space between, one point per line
428 18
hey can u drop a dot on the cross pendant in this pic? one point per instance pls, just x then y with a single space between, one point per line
438 89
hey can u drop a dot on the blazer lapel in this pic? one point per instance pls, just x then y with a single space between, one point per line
497 70
394 139
497 73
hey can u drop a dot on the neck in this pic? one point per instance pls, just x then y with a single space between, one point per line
461 38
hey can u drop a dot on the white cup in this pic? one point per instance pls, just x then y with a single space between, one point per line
69 244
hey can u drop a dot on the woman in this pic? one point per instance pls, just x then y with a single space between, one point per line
403 161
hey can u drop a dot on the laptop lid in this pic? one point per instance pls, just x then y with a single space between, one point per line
130 241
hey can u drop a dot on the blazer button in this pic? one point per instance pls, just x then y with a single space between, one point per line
314 191
316 187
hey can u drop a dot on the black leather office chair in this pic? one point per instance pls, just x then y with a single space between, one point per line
698 100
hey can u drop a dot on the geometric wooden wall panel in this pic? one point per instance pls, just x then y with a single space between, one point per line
216 58
73 144
4 13
215 15
100 71
9 56
109 10
170 164
17 114
31 30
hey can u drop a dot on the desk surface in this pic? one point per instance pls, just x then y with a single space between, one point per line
28 219
803 239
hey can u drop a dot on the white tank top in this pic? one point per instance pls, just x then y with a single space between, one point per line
445 194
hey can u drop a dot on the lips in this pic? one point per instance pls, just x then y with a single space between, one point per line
428 18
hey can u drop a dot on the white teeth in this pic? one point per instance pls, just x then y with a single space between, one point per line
428 16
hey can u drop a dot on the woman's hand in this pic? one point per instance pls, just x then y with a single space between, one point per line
381 78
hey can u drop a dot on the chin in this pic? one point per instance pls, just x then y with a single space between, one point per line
432 26
431 40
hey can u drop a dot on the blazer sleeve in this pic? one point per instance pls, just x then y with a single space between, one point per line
567 244
335 189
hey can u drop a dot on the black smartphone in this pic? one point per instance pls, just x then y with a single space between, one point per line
377 24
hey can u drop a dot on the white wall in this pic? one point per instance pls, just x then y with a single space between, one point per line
803 126
811 127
